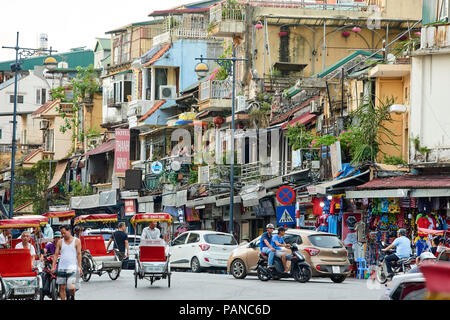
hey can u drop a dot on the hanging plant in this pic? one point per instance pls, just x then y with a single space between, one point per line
356 29
282 33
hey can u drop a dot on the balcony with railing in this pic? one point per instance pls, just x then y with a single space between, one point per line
186 26
216 95
227 19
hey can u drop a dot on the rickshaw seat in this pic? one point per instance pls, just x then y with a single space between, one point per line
95 245
15 263
152 254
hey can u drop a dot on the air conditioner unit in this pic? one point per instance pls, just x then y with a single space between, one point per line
44 124
168 92
241 104
315 107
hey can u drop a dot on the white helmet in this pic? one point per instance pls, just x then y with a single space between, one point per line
426 256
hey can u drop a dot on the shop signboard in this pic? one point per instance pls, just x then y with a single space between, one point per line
130 207
122 152
286 216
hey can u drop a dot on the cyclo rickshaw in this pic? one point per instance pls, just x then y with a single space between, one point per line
152 261
95 259
19 279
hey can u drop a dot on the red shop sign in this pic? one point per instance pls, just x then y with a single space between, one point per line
122 152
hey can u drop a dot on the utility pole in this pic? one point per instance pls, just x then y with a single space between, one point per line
15 67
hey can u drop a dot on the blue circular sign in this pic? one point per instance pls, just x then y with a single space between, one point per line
285 195
157 167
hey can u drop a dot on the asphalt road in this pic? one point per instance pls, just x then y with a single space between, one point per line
207 286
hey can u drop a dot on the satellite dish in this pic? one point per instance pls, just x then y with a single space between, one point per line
391 58
176 166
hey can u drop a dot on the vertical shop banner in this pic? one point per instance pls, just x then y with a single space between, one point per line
122 152
130 207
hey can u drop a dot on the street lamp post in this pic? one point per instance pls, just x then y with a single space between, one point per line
230 66
15 67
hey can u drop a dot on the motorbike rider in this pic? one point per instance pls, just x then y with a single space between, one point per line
277 243
50 247
402 250
265 244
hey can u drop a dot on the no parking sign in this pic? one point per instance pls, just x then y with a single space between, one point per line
285 195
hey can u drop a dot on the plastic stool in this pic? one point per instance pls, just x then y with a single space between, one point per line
362 267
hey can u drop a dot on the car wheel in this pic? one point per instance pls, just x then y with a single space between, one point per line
338 279
302 274
238 269
195 265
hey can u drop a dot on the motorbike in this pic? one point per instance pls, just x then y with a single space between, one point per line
300 270
400 266
49 286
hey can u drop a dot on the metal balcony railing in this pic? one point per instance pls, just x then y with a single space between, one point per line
217 89
227 11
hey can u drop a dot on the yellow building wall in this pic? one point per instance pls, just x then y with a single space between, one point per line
302 44
394 88
63 141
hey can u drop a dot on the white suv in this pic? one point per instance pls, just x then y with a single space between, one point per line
199 249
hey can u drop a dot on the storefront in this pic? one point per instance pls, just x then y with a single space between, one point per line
409 202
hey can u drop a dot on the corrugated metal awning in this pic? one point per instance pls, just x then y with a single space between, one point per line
103 148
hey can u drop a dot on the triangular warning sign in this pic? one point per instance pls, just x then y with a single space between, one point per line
286 217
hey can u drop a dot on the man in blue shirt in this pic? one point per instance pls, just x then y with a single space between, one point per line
278 243
265 244
403 250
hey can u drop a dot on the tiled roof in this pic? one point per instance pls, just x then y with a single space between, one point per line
291 112
152 110
176 11
408 181
103 148
45 107
158 55
32 154
303 119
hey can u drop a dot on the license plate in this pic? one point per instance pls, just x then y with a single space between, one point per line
336 269
24 291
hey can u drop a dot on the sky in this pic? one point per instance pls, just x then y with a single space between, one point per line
70 24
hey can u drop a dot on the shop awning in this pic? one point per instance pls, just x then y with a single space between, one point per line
331 186
303 119
103 148
103 199
404 186
59 172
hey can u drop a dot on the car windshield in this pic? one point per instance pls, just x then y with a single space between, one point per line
222 239
324 241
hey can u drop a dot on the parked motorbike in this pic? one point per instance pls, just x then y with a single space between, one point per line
49 286
400 266
300 270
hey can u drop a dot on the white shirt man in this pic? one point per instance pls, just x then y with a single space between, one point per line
151 232
4 238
